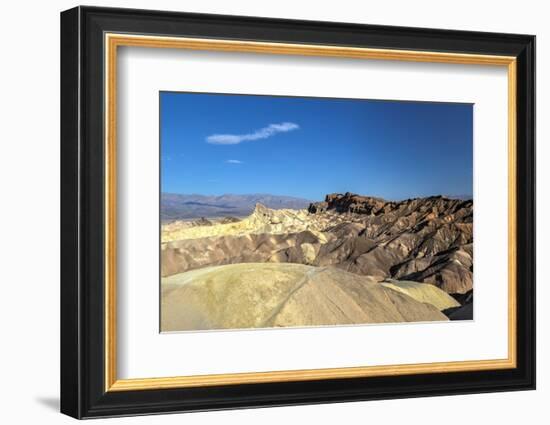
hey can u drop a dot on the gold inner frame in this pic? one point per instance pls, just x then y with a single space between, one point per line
113 41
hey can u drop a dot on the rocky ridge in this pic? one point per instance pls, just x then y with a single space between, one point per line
427 240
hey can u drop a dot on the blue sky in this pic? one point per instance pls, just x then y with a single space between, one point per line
213 144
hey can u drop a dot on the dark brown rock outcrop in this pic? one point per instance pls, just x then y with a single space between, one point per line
348 203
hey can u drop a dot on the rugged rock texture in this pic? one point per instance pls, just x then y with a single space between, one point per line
191 254
259 295
423 240
262 220
348 203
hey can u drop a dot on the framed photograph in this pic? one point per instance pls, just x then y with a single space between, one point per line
261 212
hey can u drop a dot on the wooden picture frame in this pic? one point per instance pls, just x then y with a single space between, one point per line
90 38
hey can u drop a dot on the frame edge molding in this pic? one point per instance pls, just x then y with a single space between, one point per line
86 391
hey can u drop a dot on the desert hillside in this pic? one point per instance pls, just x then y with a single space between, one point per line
259 295
419 251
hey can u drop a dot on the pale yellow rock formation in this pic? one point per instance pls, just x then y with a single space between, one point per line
423 292
262 220
258 295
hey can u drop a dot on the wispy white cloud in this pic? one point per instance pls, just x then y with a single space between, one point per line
234 161
262 133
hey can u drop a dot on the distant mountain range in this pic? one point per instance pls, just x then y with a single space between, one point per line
183 206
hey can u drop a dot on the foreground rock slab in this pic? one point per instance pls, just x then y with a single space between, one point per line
423 292
263 295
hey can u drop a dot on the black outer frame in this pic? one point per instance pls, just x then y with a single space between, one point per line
82 219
